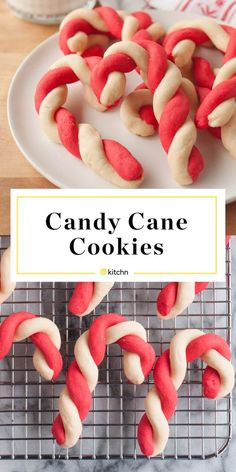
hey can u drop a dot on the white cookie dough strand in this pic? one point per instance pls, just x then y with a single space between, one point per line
6 284
158 421
129 112
70 418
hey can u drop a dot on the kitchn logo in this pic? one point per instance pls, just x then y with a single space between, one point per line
105 271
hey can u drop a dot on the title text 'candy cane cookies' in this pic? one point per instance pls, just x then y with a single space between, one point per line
42 332
82 376
169 373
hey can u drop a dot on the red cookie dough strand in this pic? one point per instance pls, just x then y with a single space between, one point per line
199 38
52 79
41 340
202 72
172 39
81 297
204 78
168 295
219 94
231 48
172 118
117 62
166 390
147 114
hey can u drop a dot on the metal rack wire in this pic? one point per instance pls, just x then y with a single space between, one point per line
200 428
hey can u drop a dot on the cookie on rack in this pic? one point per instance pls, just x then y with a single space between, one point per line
169 372
87 296
43 333
82 376
6 284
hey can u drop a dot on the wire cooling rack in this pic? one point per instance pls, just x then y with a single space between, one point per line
200 428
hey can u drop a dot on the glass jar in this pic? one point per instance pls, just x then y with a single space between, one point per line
46 11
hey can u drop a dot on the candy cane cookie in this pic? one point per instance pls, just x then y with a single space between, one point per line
6 285
43 333
82 376
170 104
175 297
108 158
218 108
87 296
183 38
88 32
169 373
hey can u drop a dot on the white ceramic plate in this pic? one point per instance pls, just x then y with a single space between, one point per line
64 170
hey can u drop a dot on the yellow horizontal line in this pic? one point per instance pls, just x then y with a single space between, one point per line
175 273
56 273
117 196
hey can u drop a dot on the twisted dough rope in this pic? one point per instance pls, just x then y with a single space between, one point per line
170 105
42 332
136 110
87 296
88 32
175 297
107 158
182 39
169 373
218 108
204 77
82 376
6 285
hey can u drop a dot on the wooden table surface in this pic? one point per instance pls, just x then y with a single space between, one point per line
17 39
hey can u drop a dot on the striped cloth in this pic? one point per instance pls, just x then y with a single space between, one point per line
224 10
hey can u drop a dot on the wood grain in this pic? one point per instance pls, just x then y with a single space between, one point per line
17 39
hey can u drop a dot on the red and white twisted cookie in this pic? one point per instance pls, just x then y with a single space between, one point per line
106 157
204 76
218 107
182 39
170 104
88 32
136 110
169 373
82 376
87 296
175 297
6 285
42 332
